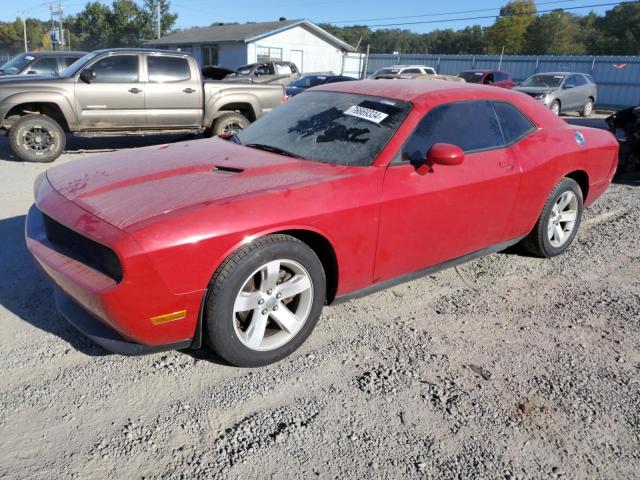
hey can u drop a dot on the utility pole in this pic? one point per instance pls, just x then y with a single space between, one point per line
158 18
24 30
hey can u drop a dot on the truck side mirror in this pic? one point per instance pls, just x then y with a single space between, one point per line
87 75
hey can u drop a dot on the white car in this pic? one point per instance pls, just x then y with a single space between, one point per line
402 69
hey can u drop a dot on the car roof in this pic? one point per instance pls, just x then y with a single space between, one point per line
141 50
407 66
560 73
416 90
483 70
57 53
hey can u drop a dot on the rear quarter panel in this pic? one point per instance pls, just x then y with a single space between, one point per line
548 155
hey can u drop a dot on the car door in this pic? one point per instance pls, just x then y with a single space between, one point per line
582 90
450 211
114 99
570 97
173 92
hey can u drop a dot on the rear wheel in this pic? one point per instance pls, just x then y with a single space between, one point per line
37 138
264 301
231 122
587 109
559 221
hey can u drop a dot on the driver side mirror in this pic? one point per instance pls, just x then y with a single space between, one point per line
441 154
87 75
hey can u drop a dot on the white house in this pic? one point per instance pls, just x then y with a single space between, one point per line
302 42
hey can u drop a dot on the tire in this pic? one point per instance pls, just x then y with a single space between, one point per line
587 109
228 121
245 308
37 138
544 240
555 107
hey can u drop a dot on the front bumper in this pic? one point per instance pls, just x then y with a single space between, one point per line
118 314
104 336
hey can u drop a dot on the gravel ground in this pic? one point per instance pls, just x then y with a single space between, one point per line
507 367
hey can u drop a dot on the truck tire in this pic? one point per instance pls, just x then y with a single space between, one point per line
37 138
231 121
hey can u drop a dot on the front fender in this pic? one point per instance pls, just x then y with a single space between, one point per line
56 98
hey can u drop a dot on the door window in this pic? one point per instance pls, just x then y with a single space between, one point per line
570 81
472 126
265 69
513 123
168 69
412 70
116 69
69 60
580 80
44 66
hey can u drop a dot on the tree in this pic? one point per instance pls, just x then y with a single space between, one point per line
619 31
167 19
509 30
554 33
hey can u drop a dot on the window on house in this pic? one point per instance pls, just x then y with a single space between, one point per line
210 55
265 54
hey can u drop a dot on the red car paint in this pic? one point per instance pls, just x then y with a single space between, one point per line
488 77
173 214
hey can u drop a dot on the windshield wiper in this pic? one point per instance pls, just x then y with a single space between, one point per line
270 148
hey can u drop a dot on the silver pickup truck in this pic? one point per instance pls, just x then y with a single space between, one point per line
124 92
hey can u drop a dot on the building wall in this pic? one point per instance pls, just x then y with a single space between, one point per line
317 54
233 55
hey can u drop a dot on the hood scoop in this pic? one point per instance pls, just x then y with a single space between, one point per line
226 170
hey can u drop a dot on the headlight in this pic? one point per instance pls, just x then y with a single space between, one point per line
36 185
541 96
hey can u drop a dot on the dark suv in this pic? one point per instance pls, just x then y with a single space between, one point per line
40 63
497 78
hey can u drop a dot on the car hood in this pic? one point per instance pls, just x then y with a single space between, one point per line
534 90
133 186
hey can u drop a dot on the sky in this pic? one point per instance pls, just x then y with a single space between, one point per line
432 15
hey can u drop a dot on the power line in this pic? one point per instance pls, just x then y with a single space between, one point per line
484 17
459 12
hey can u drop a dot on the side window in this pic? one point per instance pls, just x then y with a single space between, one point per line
513 123
69 60
283 69
500 76
44 66
116 69
471 126
570 81
167 69
580 80
264 69
412 70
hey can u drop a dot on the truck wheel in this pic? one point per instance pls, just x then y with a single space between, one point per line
264 301
37 138
232 121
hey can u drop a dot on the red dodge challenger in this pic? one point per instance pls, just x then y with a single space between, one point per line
347 189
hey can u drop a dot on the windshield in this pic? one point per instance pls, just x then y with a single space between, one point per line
471 77
75 67
329 127
307 82
549 81
17 64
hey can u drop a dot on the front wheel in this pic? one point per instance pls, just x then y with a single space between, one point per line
555 107
264 301
587 109
559 221
37 138
226 123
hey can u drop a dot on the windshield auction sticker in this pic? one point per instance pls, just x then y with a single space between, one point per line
366 114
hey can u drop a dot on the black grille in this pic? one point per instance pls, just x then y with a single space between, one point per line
82 249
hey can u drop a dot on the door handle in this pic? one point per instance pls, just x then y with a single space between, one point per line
189 90
507 165
135 90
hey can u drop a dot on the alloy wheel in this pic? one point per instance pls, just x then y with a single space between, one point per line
272 305
562 219
38 139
